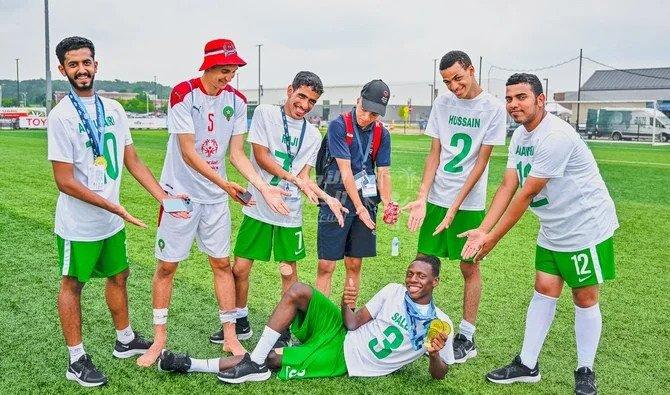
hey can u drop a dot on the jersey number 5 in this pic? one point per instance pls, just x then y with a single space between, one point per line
392 339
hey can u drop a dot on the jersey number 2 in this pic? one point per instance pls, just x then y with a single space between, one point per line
453 165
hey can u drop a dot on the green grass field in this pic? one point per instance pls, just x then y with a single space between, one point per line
634 351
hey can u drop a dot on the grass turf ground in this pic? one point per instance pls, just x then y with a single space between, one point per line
634 350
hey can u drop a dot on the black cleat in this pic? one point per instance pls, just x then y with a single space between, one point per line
585 382
284 339
246 370
516 372
464 349
85 373
175 363
137 346
242 330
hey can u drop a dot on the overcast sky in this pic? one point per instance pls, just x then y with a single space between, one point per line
345 42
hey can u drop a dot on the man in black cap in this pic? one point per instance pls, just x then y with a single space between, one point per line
353 166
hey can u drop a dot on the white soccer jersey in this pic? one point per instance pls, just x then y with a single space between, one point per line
574 208
383 345
463 126
213 120
267 129
68 142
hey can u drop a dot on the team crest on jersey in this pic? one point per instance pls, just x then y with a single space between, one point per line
228 112
209 147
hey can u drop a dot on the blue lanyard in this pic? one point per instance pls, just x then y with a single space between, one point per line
357 136
94 137
418 322
287 137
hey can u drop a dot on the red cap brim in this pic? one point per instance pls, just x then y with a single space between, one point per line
221 60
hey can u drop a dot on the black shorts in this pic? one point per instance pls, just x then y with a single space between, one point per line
353 240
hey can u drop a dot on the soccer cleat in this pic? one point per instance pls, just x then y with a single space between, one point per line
246 370
284 339
464 349
175 363
515 372
137 346
85 373
585 382
242 330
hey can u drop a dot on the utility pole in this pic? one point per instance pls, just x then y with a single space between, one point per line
259 72
480 72
18 84
47 93
432 92
546 87
579 90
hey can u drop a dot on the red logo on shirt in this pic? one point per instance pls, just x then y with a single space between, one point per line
209 147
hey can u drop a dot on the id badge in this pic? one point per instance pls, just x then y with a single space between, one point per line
96 177
370 187
360 179
293 200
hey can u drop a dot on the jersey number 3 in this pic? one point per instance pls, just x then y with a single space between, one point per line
392 339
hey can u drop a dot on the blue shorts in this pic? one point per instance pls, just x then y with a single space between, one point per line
353 240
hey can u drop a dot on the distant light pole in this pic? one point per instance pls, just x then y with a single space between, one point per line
259 72
546 87
48 93
146 94
18 84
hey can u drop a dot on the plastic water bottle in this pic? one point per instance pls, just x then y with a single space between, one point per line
395 246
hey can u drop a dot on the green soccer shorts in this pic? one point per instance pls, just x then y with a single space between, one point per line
589 266
446 244
86 259
321 333
257 240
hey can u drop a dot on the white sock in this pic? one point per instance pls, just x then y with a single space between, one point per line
204 365
588 325
227 316
76 352
467 329
265 344
541 312
242 312
125 336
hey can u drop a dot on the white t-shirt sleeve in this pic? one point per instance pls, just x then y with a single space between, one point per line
447 352
495 134
59 145
179 117
432 127
552 156
258 130
240 126
314 151
510 153
123 120
375 304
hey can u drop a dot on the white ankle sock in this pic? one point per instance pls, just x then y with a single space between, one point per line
541 312
204 365
466 329
588 325
227 316
125 336
76 352
242 312
265 344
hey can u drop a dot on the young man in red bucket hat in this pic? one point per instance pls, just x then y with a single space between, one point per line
205 117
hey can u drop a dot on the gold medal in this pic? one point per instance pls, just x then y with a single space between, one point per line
100 161
436 327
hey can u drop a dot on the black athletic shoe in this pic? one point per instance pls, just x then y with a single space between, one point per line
137 346
585 382
242 330
464 349
516 372
85 373
171 362
284 339
246 370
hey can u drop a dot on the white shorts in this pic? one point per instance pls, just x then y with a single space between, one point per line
209 225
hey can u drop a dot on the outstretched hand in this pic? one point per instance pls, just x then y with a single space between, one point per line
417 212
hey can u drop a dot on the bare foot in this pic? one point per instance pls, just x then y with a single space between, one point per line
154 351
234 347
